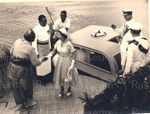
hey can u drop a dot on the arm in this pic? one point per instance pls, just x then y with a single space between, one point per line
72 50
129 62
116 29
34 43
123 51
67 24
56 23
12 49
33 58
54 51
119 30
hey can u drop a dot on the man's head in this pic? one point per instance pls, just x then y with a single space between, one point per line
127 13
42 20
29 35
63 15
135 28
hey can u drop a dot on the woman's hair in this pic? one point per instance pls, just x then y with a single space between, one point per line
29 35
64 35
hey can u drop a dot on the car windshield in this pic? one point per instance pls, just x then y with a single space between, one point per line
115 39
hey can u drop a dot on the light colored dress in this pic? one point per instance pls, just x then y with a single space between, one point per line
63 63
42 46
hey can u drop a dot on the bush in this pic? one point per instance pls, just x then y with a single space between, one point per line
125 95
4 61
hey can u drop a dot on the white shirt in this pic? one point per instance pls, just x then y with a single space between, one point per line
23 49
126 37
58 24
121 31
135 58
41 34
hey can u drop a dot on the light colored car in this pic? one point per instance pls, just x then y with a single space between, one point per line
98 57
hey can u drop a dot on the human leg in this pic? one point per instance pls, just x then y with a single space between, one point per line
61 91
29 95
69 92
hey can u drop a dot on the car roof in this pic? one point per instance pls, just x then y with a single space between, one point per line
83 38
86 32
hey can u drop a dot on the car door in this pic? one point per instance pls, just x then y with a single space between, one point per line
93 63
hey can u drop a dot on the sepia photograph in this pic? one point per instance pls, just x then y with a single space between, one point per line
74 57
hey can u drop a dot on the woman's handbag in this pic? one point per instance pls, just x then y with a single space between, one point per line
68 78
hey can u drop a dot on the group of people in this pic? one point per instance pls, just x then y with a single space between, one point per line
36 50
43 42
134 48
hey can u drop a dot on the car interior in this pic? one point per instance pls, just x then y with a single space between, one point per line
93 58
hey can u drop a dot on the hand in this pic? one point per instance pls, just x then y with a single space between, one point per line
119 38
126 73
69 69
44 59
120 72
49 55
113 26
123 67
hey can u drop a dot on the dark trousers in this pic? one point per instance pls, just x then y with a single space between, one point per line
21 94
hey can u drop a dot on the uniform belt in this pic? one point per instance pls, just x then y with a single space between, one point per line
42 42
20 61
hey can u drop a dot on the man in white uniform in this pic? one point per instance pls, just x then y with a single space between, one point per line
42 46
62 22
137 51
125 33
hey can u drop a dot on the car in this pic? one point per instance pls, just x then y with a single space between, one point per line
98 57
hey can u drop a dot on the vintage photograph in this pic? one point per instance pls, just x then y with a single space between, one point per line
74 57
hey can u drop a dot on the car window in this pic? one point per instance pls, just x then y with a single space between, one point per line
118 60
93 58
99 60
81 55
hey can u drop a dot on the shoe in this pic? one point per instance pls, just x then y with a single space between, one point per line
30 103
17 107
60 94
69 93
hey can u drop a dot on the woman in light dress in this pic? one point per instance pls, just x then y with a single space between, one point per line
65 62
